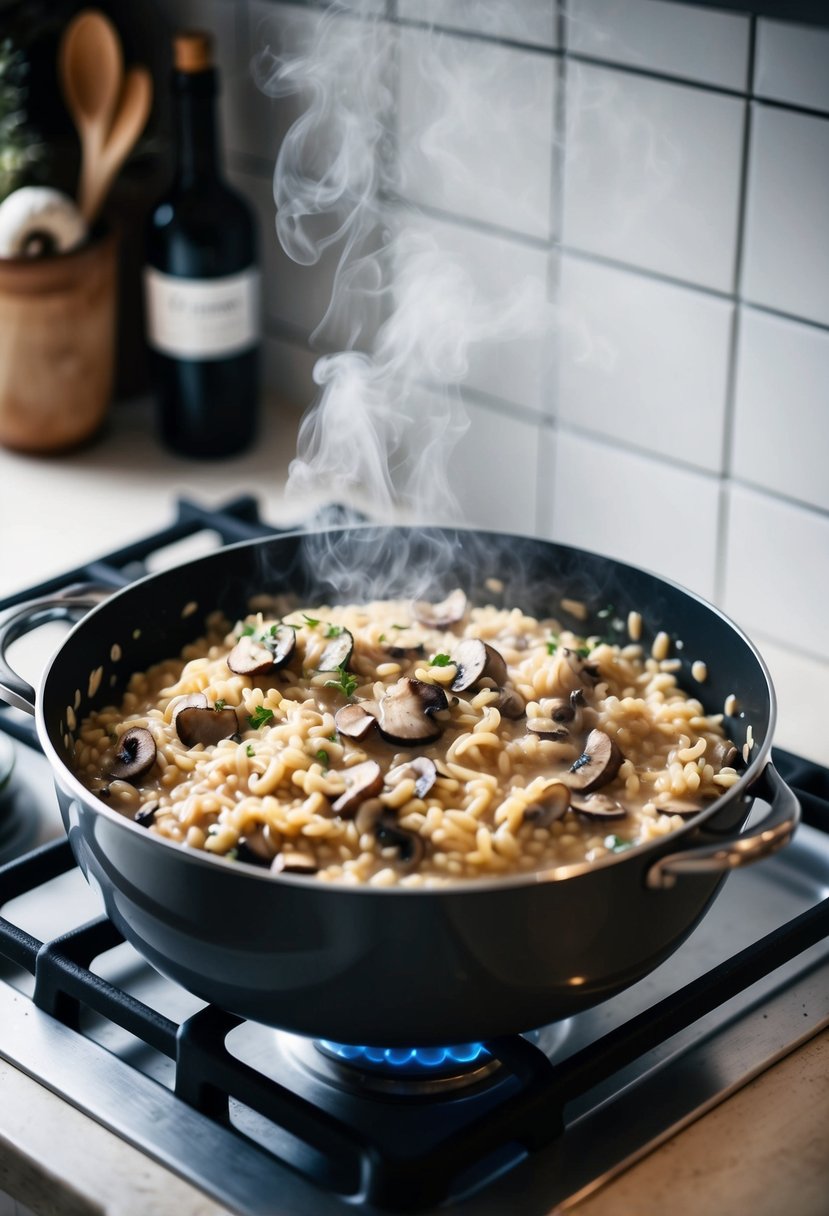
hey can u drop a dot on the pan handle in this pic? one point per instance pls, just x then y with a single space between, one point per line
760 841
69 605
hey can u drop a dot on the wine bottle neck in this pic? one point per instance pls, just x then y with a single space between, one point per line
197 145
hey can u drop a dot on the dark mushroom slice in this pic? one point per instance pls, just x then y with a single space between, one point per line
196 700
250 658
686 809
553 803
205 726
441 616
367 815
597 765
406 713
510 704
291 862
410 847
147 814
421 769
355 721
598 806
407 652
135 755
361 782
580 665
337 653
281 641
545 728
475 660
253 850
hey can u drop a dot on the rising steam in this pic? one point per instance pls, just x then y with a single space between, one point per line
383 432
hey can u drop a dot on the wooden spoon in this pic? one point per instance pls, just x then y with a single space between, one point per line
91 70
129 121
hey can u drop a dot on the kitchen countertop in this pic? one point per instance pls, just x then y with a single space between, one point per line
764 1150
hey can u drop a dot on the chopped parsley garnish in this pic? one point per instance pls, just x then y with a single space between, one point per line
333 738
333 631
250 750
220 704
345 681
259 717
322 757
582 651
232 854
617 844
311 620
247 632
440 660
552 644
400 626
382 638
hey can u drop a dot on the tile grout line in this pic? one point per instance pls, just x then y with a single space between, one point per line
726 456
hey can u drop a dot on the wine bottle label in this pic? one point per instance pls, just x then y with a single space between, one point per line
202 318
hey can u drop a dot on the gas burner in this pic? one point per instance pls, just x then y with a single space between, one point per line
410 1072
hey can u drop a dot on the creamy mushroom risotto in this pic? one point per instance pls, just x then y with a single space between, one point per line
398 743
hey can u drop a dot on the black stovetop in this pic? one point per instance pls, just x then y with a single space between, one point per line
264 1101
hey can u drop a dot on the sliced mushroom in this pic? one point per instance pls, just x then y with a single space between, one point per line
598 806
250 658
581 666
367 815
550 806
195 699
255 849
733 759
510 704
355 721
206 726
441 616
361 782
475 660
597 765
407 652
281 641
421 769
685 809
147 814
560 718
406 713
337 652
135 756
291 862
410 847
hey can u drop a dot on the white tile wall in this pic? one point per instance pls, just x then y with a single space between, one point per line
531 21
777 570
652 174
678 39
476 130
786 252
494 471
644 362
636 509
792 64
781 423
509 282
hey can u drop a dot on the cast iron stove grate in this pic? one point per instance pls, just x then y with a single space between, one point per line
364 1149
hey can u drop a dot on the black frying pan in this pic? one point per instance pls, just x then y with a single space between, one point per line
396 967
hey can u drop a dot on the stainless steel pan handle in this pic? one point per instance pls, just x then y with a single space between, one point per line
69 605
759 841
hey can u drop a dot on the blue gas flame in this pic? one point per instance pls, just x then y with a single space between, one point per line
422 1060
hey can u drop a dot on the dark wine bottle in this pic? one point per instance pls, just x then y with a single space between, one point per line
201 280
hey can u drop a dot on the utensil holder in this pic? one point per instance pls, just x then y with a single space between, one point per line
57 346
